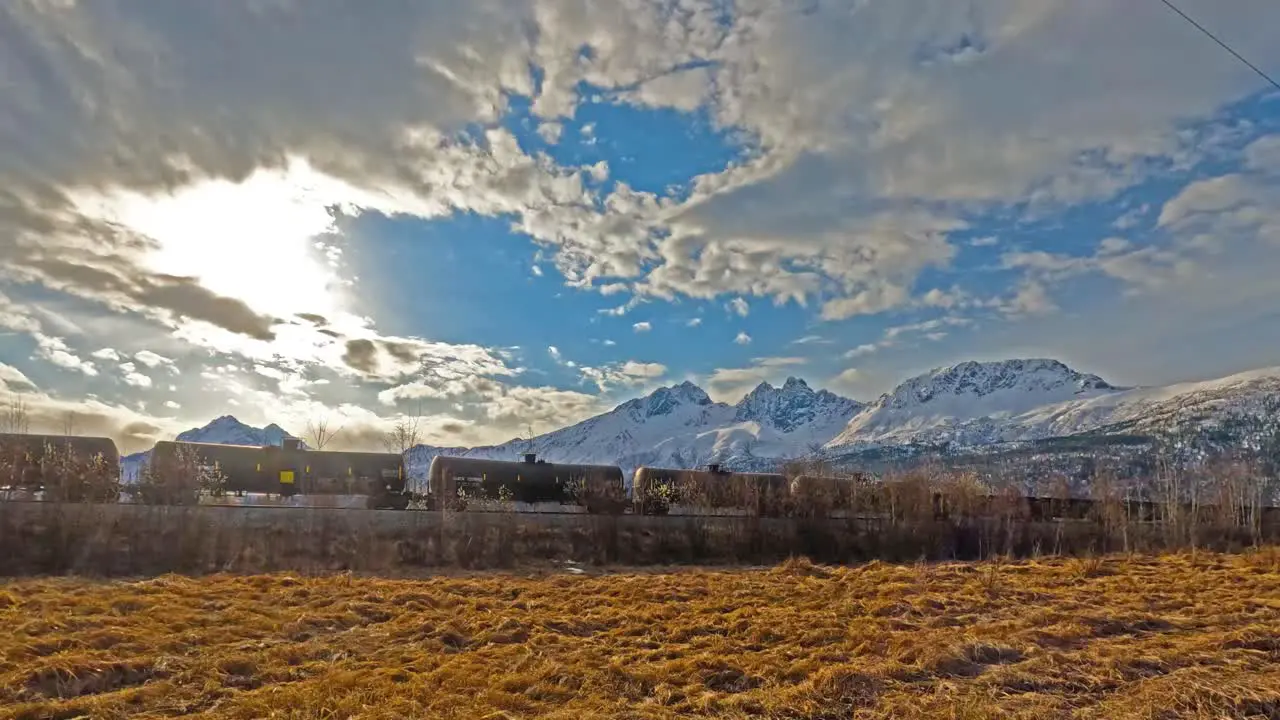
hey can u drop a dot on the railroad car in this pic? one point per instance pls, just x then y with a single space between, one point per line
38 463
528 485
820 496
713 491
290 469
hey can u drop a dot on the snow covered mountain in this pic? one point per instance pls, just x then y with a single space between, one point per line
680 426
225 430
974 404
968 408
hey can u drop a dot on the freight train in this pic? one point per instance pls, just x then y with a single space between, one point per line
290 469
532 485
66 467
71 464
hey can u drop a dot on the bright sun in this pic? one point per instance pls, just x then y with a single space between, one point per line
255 241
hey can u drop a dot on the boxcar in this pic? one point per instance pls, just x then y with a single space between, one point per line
290 470
714 491
531 485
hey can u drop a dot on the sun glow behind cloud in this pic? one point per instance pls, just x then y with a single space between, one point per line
255 240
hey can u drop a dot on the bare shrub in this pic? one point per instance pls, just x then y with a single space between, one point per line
404 434
319 435
71 476
15 418
179 478
62 472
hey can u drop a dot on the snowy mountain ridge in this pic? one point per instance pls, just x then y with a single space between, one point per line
227 430
680 426
973 405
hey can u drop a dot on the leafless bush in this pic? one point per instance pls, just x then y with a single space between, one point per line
60 471
596 492
71 476
15 418
319 434
404 434
179 478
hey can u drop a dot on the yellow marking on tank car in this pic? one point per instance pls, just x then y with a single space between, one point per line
286 477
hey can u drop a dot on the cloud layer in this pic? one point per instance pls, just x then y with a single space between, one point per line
164 163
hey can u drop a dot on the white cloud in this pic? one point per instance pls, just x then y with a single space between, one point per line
694 322
742 338
644 370
152 360
730 384
540 409
629 374
847 378
739 306
642 327
107 354
136 379
12 379
172 405
56 351
811 340
550 132
861 350
1031 298
599 171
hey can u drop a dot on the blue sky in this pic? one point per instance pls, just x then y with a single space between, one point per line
511 216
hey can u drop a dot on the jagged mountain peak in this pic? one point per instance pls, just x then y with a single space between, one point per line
666 399
953 402
792 405
228 430
978 379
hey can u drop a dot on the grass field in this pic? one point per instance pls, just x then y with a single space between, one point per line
1179 636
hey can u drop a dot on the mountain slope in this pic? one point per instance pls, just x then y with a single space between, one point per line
974 404
959 410
680 426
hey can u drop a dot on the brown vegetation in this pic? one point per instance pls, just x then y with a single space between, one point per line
178 478
1191 635
58 470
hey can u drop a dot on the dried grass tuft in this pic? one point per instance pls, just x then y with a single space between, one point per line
1163 636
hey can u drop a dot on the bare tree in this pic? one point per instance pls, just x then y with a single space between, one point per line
405 433
69 423
318 433
16 419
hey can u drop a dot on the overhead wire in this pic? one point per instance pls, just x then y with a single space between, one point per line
1225 46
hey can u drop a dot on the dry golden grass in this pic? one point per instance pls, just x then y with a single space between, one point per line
1178 636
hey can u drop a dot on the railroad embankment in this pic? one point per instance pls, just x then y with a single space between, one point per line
131 540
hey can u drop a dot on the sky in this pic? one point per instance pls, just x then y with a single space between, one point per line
504 217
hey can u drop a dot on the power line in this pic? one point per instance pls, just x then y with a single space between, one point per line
1225 46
